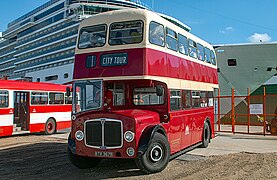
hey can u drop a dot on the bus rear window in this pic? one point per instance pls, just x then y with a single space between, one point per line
4 99
93 36
129 32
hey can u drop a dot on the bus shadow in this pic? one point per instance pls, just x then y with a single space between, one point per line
49 161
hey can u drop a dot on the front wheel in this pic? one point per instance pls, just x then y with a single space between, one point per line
206 136
82 162
156 157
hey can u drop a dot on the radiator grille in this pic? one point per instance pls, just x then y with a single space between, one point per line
105 133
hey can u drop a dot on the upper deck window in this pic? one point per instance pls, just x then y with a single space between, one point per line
129 32
207 55
156 34
171 39
93 36
200 52
192 49
183 44
213 58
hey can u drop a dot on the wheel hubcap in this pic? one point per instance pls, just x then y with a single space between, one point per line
156 153
50 126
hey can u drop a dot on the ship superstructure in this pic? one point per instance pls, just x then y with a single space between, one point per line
242 66
40 44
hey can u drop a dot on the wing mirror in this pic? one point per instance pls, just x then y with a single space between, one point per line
68 91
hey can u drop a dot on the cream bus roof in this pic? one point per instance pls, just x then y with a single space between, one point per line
140 14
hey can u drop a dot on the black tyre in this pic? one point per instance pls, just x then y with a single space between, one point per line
156 157
82 162
206 135
50 126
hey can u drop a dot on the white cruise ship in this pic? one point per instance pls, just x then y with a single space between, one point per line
39 45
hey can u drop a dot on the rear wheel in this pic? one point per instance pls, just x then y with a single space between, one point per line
82 162
50 126
206 135
156 157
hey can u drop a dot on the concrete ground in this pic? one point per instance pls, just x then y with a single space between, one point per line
227 143
38 156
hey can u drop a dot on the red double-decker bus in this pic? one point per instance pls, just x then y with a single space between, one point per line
143 89
28 107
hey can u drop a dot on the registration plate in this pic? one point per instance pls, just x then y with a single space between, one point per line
104 154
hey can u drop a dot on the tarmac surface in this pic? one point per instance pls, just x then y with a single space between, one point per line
38 156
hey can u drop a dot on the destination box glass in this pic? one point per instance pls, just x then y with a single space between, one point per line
118 59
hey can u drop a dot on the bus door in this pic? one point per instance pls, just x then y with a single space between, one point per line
21 110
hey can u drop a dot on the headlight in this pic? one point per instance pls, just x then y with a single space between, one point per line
79 135
73 117
130 151
129 136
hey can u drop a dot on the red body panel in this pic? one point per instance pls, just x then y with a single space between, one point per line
4 111
6 130
146 62
40 127
27 86
50 108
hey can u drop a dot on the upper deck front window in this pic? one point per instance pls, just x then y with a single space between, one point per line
128 32
93 36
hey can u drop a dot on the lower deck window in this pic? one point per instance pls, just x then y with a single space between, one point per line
147 96
175 100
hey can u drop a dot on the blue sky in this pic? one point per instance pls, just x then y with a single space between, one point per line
216 21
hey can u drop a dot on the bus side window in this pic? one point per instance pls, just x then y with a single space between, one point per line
213 58
175 100
39 98
207 55
203 99
195 99
186 99
156 34
4 99
200 52
183 44
210 96
56 98
192 49
171 39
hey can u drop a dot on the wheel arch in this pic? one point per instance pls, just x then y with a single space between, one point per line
147 136
208 120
